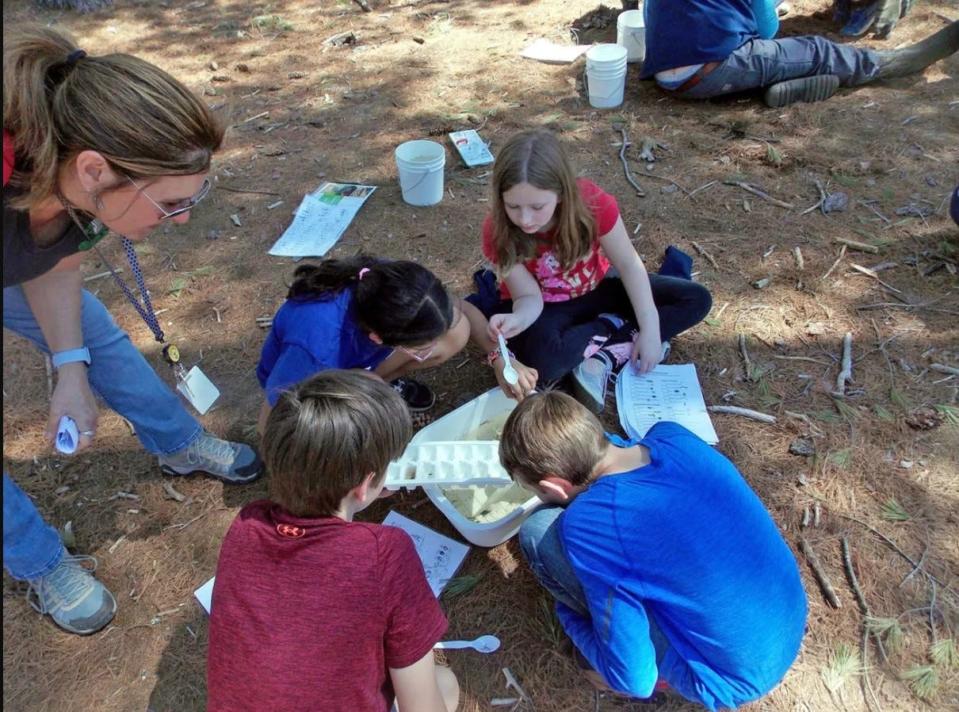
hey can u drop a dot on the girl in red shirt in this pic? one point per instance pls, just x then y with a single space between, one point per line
552 239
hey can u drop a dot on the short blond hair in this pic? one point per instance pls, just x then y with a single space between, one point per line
551 434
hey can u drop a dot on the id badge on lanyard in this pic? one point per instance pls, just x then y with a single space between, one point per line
192 384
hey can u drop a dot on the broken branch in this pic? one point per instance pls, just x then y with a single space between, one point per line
842 253
702 250
744 412
755 191
797 254
629 177
861 246
824 583
845 373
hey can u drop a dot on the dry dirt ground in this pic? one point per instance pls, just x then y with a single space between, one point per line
884 470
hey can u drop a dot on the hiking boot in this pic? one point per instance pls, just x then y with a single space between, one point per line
915 58
418 396
816 88
234 463
591 379
70 595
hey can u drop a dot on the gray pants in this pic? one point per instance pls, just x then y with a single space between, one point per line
759 63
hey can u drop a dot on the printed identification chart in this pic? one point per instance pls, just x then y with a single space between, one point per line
441 557
669 393
321 219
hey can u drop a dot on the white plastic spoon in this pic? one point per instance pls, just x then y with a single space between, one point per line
483 644
509 373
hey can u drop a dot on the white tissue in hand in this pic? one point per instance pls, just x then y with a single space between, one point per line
68 435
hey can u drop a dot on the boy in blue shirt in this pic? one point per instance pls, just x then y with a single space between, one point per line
664 564
697 49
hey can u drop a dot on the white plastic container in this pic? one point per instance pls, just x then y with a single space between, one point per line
455 426
419 165
631 34
606 75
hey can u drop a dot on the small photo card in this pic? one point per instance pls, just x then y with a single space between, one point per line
472 149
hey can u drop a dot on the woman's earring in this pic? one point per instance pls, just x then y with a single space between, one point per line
97 201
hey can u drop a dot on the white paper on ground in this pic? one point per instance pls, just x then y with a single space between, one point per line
667 393
199 390
441 556
472 149
321 219
542 50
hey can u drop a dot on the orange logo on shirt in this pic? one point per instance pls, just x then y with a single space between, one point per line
291 531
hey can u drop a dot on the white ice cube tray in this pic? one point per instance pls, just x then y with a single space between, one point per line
463 462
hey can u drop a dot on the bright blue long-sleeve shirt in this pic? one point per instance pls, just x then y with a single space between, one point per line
683 540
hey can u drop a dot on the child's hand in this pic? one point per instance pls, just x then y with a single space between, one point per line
523 386
508 325
647 350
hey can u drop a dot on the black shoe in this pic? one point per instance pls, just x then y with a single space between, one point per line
418 397
816 88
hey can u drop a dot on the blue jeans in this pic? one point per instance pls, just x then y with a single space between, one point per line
120 375
759 63
542 547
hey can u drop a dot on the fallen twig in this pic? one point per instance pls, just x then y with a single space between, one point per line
663 178
100 275
744 412
244 190
864 637
872 273
629 176
747 364
824 582
702 250
875 211
861 246
942 368
842 253
756 191
364 6
819 203
172 492
705 186
845 372
797 254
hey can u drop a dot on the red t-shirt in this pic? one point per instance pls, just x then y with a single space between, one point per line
557 284
309 614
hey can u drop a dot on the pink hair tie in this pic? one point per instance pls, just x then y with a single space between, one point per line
362 273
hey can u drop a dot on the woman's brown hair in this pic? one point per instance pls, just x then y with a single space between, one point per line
537 157
57 102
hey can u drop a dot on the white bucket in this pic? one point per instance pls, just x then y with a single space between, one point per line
420 168
631 34
606 75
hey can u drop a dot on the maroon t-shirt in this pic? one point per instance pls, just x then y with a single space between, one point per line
309 614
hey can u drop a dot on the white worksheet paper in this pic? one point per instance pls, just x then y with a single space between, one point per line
441 557
321 219
667 393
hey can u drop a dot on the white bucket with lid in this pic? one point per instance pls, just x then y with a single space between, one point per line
419 165
631 34
606 75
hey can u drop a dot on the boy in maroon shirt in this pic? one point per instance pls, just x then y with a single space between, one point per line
311 610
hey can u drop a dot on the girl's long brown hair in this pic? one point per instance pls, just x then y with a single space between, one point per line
537 157
139 118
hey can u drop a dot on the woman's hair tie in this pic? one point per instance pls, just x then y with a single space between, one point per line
362 273
75 56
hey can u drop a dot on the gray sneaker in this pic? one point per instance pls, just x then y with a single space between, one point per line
70 595
590 380
234 463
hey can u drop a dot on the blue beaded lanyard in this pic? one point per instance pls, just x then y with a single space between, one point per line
145 309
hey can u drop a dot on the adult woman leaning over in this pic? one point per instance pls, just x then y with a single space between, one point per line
97 144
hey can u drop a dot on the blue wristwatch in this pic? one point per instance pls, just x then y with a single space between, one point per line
62 358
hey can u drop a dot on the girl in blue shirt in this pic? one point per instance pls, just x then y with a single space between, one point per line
383 316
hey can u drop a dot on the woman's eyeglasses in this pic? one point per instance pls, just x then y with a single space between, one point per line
177 207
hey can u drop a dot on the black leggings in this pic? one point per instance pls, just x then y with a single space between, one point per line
555 342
